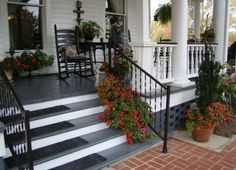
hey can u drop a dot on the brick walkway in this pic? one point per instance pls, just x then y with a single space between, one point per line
181 155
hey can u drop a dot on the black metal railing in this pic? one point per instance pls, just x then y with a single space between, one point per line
16 120
153 92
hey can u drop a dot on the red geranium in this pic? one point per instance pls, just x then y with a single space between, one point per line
124 109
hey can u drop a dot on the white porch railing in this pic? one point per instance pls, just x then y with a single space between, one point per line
163 69
195 57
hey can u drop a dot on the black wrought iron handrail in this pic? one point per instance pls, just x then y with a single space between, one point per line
151 86
16 119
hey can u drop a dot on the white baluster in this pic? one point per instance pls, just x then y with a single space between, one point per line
188 62
192 60
197 58
170 62
158 63
164 62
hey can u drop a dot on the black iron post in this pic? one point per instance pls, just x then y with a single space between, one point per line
165 150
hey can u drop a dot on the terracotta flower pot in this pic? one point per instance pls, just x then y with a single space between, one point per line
202 133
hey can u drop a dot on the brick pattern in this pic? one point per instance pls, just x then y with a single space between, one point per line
181 156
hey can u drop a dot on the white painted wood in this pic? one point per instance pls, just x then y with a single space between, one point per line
82 153
219 22
196 53
63 101
67 135
66 116
163 70
2 145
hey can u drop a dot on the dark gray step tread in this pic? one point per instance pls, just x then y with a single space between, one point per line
83 163
92 139
122 151
46 130
49 151
72 107
76 124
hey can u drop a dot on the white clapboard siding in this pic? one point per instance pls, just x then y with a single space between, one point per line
61 14
132 18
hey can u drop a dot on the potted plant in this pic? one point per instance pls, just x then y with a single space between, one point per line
228 84
29 61
9 65
209 104
163 14
208 35
90 29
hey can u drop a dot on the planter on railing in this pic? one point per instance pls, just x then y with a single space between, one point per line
163 53
195 57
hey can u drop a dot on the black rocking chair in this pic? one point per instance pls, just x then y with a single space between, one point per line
69 55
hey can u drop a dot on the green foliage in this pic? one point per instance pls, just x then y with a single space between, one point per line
124 109
163 14
207 81
228 81
121 67
32 61
215 114
91 28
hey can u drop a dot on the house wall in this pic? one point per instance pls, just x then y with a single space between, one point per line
132 18
58 12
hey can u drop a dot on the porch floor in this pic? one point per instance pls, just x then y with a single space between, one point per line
49 87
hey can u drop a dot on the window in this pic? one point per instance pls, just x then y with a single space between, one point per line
115 15
25 24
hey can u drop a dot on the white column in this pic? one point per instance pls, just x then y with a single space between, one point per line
196 18
179 23
140 41
219 22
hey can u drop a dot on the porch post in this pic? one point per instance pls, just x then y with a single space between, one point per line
141 42
220 27
196 18
179 30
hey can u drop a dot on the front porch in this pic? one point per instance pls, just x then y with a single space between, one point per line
65 113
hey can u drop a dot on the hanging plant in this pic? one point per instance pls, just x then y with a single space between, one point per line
163 14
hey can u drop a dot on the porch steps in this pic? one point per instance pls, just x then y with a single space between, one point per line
65 138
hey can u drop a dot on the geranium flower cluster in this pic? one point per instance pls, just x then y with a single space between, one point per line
124 109
216 113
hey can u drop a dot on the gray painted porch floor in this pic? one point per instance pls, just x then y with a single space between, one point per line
49 87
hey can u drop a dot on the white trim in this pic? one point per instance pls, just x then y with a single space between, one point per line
63 101
24 4
67 135
66 117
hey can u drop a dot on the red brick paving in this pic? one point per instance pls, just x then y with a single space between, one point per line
181 155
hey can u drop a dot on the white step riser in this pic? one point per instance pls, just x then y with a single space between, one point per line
81 153
65 117
68 135
63 136
64 101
